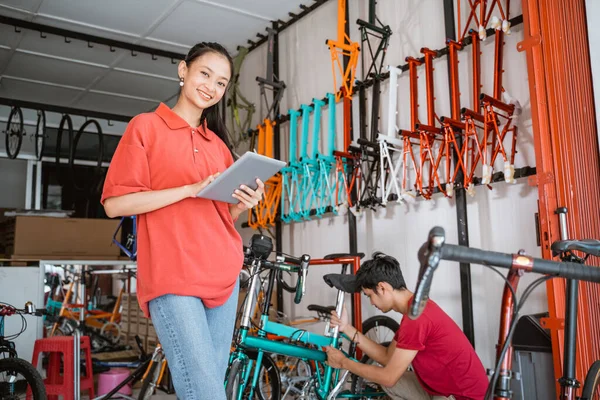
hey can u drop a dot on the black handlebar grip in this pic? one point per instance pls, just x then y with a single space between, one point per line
567 270
421 294
563 269
292 260
301 284
429 258
463 254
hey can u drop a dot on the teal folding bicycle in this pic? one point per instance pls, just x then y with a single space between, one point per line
252 373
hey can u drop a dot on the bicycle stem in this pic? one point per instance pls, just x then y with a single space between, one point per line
568 381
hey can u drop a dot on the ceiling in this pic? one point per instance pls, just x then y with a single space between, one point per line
49 69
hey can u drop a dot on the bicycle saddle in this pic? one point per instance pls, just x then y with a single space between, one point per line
321 309
343 255
587 246
343 282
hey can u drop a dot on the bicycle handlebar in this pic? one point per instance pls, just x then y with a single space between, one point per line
290 264
435 250
7 310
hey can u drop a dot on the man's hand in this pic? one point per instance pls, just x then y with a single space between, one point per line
335 358
341 321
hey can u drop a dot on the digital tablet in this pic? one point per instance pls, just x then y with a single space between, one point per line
242 172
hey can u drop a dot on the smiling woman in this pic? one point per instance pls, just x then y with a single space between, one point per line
189 252
203 77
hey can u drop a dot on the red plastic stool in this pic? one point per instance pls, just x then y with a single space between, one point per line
57 384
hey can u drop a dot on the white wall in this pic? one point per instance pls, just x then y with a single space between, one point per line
501 219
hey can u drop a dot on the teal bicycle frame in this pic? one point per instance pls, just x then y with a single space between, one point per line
327 166
328 382
290 179
309 180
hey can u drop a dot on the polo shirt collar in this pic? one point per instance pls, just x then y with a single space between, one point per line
174 121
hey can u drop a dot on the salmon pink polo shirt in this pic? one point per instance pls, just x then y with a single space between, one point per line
190 248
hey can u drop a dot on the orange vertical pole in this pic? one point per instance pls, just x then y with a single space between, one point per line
566 147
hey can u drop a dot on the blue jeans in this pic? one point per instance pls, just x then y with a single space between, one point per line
196 341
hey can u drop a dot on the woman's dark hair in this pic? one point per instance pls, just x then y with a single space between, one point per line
214 121
381 268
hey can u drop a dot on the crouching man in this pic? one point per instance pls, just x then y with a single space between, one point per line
445 365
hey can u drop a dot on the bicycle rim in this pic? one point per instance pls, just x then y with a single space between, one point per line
99 149
65 123
380 328
40 135
14 132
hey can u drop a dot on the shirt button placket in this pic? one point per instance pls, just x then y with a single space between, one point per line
194 146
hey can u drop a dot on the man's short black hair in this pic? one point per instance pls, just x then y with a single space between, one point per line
381 268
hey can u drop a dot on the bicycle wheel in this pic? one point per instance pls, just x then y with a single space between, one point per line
380 328
592 381
65 123
269 385
361 386
87 183
17 377
14 132
111 331
294 373
40 134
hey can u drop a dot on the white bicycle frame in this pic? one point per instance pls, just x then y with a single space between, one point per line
391 185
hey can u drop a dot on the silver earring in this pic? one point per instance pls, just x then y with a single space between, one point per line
181 82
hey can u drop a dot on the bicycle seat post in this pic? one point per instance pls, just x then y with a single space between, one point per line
339 306
251 296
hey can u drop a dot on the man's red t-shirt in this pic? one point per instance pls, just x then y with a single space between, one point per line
446 363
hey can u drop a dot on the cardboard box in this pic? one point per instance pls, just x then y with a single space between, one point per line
48 236
134 323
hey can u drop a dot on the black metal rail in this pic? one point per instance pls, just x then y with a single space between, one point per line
64 110
281 25
69 34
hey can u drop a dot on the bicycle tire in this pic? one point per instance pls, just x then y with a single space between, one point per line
28 371
40 135
147 391
14 146
99 155
65 120
375 323
111 331
592 382
358 384
233 378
